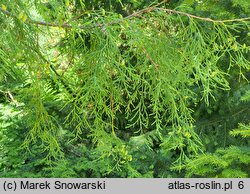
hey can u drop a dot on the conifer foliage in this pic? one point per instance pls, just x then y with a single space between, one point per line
124 88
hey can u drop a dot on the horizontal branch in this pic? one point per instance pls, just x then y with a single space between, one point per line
136 14
202 18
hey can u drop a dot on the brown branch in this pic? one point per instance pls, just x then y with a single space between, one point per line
135 14
202 18
146 10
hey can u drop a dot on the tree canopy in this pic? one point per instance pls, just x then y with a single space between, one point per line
124 88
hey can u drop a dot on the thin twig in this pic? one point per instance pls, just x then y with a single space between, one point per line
135 14
146 10
201 18
11 96
12 99
112 117
150 59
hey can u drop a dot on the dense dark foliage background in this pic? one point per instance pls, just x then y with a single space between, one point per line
124 88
